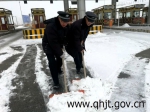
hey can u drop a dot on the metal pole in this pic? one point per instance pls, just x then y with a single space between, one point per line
118 19
81 8
148 19
21 12
64 70
83 65
66 5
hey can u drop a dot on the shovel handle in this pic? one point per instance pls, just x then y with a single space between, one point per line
64 70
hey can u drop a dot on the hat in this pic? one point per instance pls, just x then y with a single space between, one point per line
90 16
64 16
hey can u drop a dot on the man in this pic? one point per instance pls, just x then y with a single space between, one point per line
53 42
77 35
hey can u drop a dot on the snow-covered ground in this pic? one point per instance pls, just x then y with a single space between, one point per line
105 56
20 27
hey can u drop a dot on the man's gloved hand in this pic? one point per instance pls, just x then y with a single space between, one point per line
83 47
62 56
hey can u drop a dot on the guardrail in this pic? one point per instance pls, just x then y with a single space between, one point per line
95 29
39 33
33 33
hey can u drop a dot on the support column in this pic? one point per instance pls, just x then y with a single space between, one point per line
66 5
113 2
81 8
148 19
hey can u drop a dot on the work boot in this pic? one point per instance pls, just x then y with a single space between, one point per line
78 71
56 86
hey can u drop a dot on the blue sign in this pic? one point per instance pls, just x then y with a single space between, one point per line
26 18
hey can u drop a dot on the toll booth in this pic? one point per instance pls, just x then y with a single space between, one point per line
6 20
74 13
104 14
131 14
38 16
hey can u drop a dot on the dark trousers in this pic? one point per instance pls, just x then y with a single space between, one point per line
77 56
55 64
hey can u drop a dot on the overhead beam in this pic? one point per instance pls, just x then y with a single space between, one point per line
74 2
40 0
51 1
25 1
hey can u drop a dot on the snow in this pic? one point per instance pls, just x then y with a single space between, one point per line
109 54
41 77
6 85
26 42
20 27
126 25
105 56
147 86
9 52
94 89
20 42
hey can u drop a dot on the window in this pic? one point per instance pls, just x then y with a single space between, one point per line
75 18
120 15
35 22
128 14
2 20
9 20
107 15
144 14
41 19
137 14
99 17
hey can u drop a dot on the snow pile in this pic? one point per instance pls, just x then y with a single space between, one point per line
126 25
98 34
94 91
90 86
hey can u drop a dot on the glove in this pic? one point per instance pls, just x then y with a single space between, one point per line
62 56
83 47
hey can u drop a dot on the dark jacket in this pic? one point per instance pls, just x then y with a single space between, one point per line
77 33
54 37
